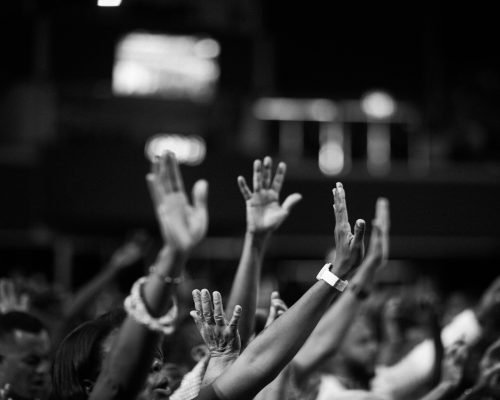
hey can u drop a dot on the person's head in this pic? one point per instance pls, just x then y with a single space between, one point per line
357 354
79 359
24 355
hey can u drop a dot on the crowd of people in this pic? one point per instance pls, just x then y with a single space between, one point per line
344 338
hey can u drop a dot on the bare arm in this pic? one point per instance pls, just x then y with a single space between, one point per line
276 345
183 226
328 335
264 215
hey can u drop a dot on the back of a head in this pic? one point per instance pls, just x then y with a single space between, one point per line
19 321
78 358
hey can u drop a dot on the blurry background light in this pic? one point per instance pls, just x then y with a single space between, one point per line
378 105
207 48
109 3
332 158
166 66
290 109
189 149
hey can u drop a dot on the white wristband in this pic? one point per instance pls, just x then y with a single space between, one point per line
329 277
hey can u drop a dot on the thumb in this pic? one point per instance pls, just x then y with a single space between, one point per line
359 232
291 201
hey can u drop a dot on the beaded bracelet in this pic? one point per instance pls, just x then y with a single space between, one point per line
136 308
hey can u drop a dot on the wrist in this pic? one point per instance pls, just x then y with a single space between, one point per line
170 261
341 268
327 275
257 239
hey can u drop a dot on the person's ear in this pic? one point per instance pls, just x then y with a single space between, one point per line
88 386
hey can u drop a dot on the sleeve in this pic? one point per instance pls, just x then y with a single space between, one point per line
209 393
405 379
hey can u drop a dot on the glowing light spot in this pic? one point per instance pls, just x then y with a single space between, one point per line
331 158
109 3
207 48
189 149
378 105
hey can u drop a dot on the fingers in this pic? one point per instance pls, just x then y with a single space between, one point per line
166 171
257 175
172 167
200 194
197 302
279 177
235 319
382 212
218 310
340 207
244 189
197 319
359 233
291 201
207 308
266 172
376 234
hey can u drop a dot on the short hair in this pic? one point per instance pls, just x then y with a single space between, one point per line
79 356
19 320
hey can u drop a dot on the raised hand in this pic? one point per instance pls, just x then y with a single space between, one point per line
264 212
221 336
276 309
349 247
182 225
10 298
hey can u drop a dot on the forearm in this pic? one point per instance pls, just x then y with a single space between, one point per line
130 358
445 390
326 338
270 351
216 367
244 291
331 329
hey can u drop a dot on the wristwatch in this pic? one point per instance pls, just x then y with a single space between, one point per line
329 277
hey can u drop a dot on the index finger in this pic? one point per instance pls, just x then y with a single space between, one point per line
197 301
174 172
218 309
340 206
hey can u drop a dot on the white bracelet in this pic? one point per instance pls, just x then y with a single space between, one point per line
136 308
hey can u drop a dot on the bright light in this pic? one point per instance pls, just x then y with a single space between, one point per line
378 105
169 66
207 48
188 149
109 3
331 158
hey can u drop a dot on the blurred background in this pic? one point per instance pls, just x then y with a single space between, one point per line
399 100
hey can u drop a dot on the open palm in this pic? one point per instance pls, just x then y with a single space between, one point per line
182 225
264 212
